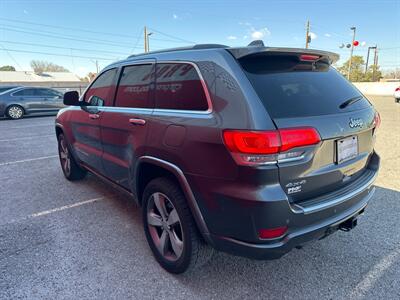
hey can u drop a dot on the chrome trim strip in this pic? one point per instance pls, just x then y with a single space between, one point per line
324 205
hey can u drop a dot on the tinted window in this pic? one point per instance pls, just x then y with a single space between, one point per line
3 89
134 86
178 86
289 88
25 92
46 92
103 88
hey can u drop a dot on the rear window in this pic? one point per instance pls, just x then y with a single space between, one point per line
290 88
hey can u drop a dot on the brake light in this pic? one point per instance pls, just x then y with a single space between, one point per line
308 57
272 233
397 90
377 120
255 142
266 147
298 137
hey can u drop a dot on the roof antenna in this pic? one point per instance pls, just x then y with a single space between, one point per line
256 43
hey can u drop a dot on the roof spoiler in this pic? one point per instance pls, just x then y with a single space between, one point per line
240 53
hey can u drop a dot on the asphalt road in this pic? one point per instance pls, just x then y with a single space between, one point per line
85 240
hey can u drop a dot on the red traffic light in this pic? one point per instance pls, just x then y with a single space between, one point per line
356 43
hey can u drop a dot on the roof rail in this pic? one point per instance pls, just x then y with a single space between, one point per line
195 47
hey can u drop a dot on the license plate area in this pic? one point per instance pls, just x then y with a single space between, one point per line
346 149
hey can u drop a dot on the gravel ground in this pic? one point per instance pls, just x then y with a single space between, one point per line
85 240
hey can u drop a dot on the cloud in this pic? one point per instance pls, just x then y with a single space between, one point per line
313 36
245 23
26 12
232 37
259 34
175 17
328 35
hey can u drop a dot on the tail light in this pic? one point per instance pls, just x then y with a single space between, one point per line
377 120
397 89
272 233
266 147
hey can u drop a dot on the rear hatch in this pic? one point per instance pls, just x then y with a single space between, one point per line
303 90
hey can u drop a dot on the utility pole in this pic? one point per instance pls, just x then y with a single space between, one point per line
145 40
375 62
351 52
307 33
366 64
97 67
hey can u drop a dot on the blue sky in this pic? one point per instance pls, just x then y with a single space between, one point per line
77 33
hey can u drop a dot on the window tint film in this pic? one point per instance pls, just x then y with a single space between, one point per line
134 86
178 86
26 92
290 88
46 92
103 88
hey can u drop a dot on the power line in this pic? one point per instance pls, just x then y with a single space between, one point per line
120 45
176 40
12 57
57 54
59 47
171 36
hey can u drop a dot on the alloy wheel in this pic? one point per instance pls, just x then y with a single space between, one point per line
15 112
65 157
165 226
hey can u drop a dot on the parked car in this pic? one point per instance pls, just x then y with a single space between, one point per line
17 102
251 150
397 95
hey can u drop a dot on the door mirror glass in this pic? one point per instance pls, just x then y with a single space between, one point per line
72 98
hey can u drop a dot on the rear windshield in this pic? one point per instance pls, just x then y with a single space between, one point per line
290 88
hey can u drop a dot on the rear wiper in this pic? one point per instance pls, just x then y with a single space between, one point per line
350 101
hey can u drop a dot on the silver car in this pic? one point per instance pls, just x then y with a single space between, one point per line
16 102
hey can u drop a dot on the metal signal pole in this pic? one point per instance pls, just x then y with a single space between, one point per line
375 62
351 52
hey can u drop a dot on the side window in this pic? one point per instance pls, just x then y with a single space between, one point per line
134 86
46 92
25 92
102 89
178 86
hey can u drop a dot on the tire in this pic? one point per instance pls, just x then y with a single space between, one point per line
15 112
178 228
72 171
397 100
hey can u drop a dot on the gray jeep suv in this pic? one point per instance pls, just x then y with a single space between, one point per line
252 150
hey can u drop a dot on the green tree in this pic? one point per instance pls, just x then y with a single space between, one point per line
357 73
7 68
357 68
40 66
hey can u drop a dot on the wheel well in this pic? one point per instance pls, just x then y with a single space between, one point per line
58 131
148 172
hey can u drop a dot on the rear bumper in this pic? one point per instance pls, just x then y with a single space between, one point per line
297 237
234 214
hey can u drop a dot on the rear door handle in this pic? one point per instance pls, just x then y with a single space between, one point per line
135 121
94 116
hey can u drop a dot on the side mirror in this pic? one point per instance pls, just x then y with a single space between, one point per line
72 98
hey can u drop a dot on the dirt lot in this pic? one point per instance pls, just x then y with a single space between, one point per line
85 240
